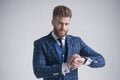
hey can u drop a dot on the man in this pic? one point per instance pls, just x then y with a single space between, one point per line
57 56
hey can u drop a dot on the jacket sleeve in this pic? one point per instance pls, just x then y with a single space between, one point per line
41 70
97 59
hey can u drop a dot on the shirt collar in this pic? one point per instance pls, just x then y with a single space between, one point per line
55 37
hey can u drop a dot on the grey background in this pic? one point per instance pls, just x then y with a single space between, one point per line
97 22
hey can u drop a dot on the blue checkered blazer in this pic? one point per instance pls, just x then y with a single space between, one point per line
47 64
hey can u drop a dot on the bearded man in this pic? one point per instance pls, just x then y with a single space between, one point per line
58 55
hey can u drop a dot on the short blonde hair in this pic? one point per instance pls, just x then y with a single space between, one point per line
62 11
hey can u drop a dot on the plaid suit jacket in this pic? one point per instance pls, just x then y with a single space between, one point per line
47 64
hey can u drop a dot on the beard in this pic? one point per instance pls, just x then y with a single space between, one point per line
61 32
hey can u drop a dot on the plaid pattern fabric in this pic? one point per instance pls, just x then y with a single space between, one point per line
46 62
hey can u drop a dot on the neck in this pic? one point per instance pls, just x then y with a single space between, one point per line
55 36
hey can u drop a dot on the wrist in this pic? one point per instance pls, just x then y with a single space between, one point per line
65 68
85 60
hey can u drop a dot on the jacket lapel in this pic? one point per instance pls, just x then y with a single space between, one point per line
52 42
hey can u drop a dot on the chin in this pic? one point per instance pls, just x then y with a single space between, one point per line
62 35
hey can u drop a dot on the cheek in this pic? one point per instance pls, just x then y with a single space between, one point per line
58 27
66 28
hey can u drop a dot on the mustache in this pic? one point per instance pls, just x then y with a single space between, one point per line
62 29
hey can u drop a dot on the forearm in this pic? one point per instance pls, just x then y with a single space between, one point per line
97 61
42 68
42 71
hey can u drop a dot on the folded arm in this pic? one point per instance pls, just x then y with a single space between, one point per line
97 59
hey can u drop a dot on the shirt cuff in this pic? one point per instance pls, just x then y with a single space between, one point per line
88 61
65 68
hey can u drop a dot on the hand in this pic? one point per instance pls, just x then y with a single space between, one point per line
75 61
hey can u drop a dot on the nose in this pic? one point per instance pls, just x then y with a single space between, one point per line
63 26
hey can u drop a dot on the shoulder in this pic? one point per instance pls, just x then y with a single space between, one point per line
42 39
71 37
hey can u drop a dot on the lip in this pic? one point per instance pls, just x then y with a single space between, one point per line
62 31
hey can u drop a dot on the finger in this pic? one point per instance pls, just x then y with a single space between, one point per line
74 66
76 56
80 60
77 62
71 60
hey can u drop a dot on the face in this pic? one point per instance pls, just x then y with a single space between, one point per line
60 25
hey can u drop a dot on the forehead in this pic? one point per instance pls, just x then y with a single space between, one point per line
63 19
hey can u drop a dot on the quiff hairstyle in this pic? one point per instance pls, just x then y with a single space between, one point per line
62 11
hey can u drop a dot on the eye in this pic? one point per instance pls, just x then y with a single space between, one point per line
60 23
66 24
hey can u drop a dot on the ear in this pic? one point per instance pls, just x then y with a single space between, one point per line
53 22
